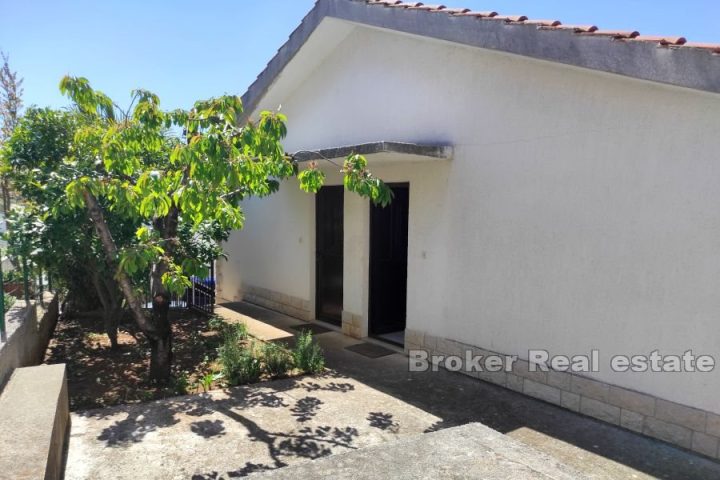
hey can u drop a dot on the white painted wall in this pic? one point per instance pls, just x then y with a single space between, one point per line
581 210
274 249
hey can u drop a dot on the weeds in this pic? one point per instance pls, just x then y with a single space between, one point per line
307 354
239 363
180 384
207 380
277 359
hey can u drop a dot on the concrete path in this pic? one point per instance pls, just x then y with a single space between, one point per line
225 434
360 403
470 451
597 449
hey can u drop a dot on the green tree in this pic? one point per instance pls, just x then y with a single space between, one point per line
197 178
11 92
44 229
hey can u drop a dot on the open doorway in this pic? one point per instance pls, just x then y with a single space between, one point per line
388 266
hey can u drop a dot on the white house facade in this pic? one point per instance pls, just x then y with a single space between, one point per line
562 198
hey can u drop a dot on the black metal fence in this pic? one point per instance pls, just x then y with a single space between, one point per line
200 295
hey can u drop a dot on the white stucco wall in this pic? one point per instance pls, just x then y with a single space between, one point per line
580 211
273 250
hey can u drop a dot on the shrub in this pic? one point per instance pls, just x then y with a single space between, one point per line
237 331
180 384
207 380
277 359
307 354
239 364
9 301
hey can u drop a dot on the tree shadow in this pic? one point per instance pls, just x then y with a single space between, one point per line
306 408
383 421
208 428
282 447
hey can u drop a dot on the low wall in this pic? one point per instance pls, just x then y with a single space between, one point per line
34 423
681 425
28 332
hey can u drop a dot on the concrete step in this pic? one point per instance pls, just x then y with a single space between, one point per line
469 451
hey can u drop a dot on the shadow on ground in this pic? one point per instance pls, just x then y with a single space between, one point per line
593 447
131 424
359 402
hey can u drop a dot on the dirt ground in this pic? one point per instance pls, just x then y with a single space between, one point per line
99 376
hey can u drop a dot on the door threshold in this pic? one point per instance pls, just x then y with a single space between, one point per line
379 340
396 338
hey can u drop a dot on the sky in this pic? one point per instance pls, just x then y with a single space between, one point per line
185 51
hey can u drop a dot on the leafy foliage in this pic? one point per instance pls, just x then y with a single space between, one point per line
46 230
177 178
9 301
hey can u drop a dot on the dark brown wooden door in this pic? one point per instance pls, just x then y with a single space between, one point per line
329 254
388 263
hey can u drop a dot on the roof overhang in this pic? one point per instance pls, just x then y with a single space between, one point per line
694 68
379 152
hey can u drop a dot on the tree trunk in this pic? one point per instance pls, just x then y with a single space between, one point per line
111 300
161 347
161 343
158 334
161 359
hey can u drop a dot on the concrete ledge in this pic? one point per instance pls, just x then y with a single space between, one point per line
34 421
28 331
469 451
680 425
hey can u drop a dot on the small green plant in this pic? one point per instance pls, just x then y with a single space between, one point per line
180 384
277 359
207 380
307 354
239 364
216 323
237 331
9 301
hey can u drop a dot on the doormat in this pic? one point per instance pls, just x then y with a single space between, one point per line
312 328
370 350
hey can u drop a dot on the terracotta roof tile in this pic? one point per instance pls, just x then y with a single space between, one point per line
616 33
456 11
427 7
552 25
579 28
714 47
406 5
511 18
661 40
544 23
488 14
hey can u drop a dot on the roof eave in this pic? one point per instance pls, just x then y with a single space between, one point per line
398 149
684 67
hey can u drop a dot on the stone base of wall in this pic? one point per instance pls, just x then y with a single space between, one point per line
352 324
684 426
293 306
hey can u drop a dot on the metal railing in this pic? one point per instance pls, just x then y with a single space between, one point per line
200 295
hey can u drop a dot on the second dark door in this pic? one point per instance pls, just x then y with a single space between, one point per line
388 263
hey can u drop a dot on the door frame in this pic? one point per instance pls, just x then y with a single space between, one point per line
370 262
